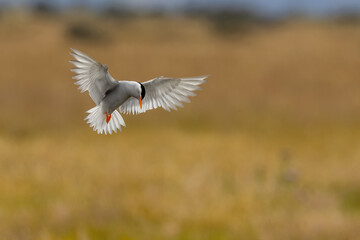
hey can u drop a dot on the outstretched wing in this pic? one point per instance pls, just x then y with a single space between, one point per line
91 76
167 93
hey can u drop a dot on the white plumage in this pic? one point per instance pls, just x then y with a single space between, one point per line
109 94
168 93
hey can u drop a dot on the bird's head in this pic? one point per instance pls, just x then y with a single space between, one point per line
141 94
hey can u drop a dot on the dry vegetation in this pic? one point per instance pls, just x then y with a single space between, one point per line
268 150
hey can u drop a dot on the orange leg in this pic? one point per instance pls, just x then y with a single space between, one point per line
108 117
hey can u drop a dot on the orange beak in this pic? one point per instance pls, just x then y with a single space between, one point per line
140 101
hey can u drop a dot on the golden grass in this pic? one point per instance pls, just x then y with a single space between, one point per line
268 150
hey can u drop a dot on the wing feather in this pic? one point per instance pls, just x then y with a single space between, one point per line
168 93
91 76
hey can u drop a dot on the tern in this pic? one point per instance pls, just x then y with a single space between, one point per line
129 97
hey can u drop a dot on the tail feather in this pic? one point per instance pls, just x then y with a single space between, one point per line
97 121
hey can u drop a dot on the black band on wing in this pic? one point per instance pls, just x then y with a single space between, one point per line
143 92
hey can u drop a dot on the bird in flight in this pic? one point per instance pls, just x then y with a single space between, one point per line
129 96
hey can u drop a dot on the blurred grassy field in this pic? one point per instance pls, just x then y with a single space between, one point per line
270 149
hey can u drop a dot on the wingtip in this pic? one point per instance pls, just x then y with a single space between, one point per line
204 77
72 51
76 52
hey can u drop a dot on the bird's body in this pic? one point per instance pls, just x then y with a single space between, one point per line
129 96
117 95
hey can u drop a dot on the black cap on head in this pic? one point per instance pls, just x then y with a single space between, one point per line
142 91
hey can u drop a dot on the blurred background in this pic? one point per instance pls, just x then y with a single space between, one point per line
269 149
